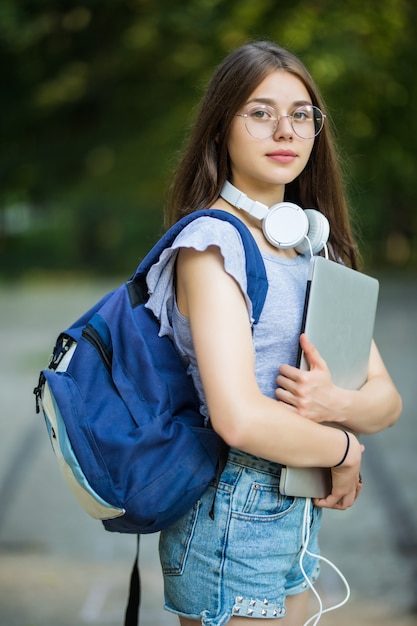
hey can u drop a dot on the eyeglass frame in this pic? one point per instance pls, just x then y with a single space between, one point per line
278 118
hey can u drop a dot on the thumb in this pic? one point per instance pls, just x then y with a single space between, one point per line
311 353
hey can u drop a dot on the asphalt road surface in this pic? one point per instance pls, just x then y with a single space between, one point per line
58 567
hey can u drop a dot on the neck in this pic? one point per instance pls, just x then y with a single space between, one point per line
267 193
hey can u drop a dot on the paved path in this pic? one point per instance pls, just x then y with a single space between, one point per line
59 568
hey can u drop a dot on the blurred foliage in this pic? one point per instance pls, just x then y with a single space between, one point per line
97 97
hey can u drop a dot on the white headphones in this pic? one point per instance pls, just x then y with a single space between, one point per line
285 225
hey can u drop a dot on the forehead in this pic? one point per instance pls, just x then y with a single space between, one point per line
281 87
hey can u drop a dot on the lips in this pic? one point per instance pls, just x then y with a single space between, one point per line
282 156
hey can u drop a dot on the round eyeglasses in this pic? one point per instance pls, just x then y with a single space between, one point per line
262 121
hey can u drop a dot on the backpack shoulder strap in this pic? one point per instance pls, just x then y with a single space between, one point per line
255 268
257 286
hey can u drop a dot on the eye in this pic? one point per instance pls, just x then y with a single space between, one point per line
303 114
261 114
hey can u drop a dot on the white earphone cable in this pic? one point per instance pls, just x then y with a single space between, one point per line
325 248
306 538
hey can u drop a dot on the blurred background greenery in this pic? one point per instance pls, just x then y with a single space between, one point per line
97 96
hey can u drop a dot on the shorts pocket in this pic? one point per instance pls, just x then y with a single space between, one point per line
174 542
265 502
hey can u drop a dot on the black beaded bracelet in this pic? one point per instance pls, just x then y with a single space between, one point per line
346 451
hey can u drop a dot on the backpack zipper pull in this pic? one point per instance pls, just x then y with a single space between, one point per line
38 391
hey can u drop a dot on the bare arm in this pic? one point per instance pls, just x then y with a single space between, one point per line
239 412
377 405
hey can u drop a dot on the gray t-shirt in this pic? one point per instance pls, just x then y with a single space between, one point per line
276 335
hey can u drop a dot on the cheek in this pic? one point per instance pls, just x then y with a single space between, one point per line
240 150
307 152
237 139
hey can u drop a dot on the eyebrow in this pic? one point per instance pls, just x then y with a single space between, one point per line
273 103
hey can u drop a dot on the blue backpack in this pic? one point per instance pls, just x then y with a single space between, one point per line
122 413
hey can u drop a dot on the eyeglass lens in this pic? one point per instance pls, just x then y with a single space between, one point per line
262 121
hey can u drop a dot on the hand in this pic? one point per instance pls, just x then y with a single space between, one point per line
346 479
338 501
308 392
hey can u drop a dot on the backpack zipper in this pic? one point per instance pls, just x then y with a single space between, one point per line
92 336
62 346
38 391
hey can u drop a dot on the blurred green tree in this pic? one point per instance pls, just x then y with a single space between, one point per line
96 98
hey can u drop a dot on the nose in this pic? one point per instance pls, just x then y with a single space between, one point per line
283 126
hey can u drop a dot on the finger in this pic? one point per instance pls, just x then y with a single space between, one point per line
326 504
286 383
285 396
336 501
289 371
312 354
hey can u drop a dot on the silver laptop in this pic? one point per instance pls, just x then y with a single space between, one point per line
339 317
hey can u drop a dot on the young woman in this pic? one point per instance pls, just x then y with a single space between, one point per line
262 128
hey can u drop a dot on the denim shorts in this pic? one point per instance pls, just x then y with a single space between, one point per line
245 561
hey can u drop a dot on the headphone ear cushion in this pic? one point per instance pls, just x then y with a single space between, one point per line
318 232
285 225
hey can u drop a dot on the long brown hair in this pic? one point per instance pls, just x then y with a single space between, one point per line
204 166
